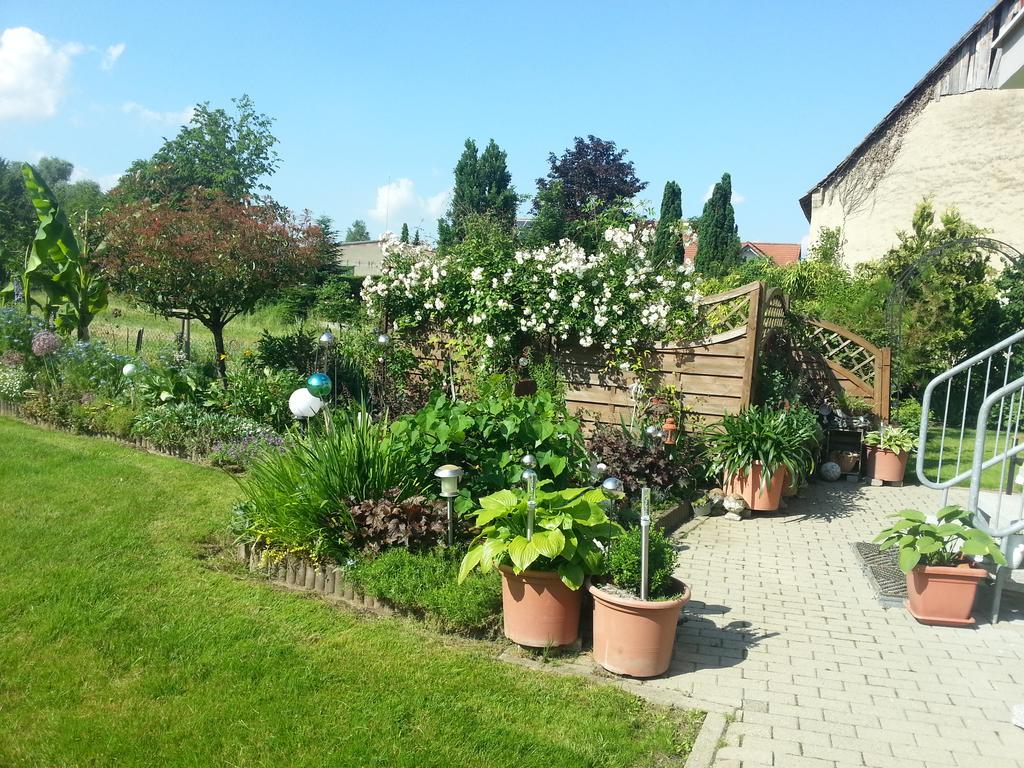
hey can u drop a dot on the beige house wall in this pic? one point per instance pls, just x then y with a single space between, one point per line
365 256
963 150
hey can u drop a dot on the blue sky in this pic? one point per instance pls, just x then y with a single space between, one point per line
373 101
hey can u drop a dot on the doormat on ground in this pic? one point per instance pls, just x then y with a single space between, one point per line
890 581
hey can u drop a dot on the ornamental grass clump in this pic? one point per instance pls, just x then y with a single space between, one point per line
299 501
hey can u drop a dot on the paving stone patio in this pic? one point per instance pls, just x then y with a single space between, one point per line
786 629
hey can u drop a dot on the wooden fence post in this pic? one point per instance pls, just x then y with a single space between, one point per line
753 343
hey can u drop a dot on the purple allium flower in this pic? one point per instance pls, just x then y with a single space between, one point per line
45 343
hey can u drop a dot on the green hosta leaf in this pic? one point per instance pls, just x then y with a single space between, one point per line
470 561
571 574
522 553
485 516
911 514
504 500
909 558
549 543
493 549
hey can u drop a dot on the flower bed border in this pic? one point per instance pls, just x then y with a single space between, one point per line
302 574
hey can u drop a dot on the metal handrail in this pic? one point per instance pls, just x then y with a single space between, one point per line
946 377
978 465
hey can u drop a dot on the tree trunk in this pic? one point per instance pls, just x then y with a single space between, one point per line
83 329
217 329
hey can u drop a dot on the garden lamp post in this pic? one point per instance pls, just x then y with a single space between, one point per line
449 475
382 341
645 539
129 372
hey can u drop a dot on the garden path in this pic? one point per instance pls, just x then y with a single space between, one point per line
786 628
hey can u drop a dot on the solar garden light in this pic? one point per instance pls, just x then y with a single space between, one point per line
326 339
529 461
449 475
129 372
645 539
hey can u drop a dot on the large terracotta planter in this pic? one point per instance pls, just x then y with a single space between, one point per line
538 609
943 595
758 498
635 637
886 465
789 485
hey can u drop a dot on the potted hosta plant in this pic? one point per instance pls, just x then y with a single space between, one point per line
888 451
632 636
755 449
541 573
936 553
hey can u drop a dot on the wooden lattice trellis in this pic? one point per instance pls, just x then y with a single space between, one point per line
858 366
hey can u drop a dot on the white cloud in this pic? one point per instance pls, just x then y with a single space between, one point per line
152 116
110 56
737 198
32 73
398 202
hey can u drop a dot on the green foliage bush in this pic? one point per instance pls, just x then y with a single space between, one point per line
761 435
426 584
623 563
488 437
257 393
192 429
908 413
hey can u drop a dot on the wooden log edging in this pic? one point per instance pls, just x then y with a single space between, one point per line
303 575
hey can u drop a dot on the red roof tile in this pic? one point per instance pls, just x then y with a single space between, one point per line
781 253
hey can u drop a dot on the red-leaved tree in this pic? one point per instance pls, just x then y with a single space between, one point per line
210 255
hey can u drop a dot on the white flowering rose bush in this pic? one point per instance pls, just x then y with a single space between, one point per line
500 300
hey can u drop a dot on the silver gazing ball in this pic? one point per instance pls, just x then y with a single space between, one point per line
651 431
383 339
612 486
830 471
529 461
529 476
523 362
326 339
601 468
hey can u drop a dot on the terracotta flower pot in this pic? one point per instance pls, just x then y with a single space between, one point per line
847 460
886 465
943 595
758 498
538 609
635 637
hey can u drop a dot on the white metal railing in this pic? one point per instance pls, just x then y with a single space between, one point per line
995 389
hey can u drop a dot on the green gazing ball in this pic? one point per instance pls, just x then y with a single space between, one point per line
319 384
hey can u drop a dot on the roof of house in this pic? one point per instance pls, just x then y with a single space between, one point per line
781 253
924 83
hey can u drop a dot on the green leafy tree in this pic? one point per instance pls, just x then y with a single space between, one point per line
594 175
718 242
669 244
483 186
405 233
57 267
949 305
416 237
231 153
55 170
358 232
17 220
209 254
549 225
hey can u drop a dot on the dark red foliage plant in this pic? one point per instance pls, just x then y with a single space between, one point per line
414 523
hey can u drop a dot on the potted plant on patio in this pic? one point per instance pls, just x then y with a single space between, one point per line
753 451
632 636
543 564
935 554
888 450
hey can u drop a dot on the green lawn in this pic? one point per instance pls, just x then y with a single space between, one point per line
121 321
123 642
992 478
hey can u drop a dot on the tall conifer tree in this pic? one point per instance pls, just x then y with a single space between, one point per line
718 243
